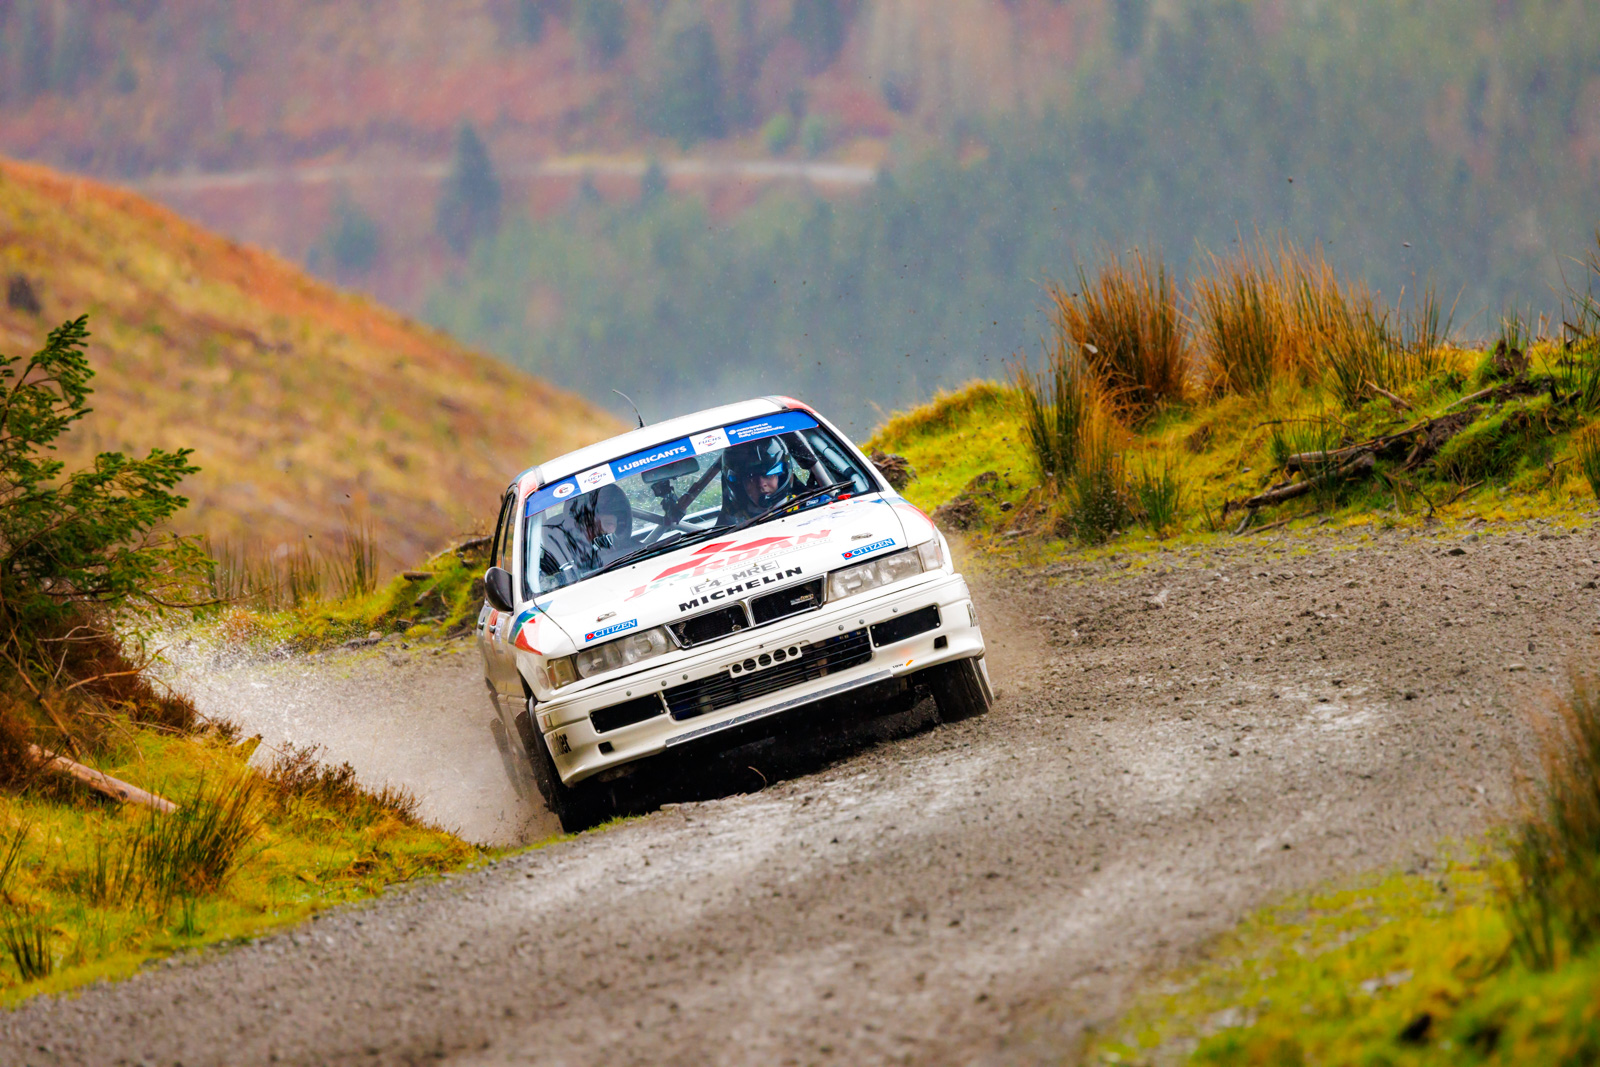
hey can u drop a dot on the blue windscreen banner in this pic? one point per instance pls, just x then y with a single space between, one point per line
668 452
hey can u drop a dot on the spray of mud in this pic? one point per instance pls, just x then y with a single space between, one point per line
414 718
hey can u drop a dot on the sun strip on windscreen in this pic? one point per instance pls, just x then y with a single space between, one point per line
667 452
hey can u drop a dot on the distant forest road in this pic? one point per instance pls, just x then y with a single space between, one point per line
566 168
1175 744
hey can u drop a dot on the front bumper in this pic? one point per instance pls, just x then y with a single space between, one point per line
863 623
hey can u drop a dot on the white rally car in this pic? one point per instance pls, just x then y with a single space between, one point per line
698 582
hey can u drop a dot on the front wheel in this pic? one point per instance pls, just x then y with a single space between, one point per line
959 689
580 806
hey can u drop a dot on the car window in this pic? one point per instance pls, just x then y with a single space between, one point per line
501 542
650 501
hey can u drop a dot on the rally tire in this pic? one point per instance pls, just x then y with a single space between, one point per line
579 807
959 689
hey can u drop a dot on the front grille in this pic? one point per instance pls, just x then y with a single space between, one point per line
807 596
711 625
626 714
725 690
908 625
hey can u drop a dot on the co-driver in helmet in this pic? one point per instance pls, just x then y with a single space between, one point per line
597 529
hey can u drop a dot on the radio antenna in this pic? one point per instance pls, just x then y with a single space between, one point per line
632 405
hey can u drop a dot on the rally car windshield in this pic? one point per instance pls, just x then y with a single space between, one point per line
681 491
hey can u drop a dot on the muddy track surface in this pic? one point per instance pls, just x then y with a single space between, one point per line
1175 743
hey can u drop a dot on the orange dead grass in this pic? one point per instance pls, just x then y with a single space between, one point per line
303 404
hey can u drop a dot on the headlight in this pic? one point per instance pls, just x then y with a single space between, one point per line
560 672
848 581
623 652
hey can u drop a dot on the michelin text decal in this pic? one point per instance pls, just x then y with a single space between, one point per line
735 590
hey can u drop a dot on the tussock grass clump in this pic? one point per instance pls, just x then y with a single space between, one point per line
1552 896
1242 328
27 940
188 852
1058 403
1587 449
1126 324
1265 314
1159 490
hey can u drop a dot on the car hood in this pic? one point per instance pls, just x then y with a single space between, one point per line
725 570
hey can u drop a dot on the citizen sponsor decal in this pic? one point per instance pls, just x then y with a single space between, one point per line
857 553
609 630
652 458
738 590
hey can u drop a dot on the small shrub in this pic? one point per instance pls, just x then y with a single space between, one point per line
1097 490
27 940
1159 491
1552 894
1125 325
298 776
1587 447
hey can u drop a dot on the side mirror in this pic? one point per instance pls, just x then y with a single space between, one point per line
497 588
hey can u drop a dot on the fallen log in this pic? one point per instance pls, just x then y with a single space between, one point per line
1425 437
1360 464
99 781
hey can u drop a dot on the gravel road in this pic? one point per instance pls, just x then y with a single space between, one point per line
1175 743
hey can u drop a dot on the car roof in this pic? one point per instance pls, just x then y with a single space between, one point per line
654 434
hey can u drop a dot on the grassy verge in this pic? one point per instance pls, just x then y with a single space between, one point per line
93 889
435 601
1409 969
1518 459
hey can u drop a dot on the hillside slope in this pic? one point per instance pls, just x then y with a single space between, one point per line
303 404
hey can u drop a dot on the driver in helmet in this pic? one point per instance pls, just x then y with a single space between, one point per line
756 476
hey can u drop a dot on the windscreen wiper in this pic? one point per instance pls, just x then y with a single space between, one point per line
793 502
638 554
